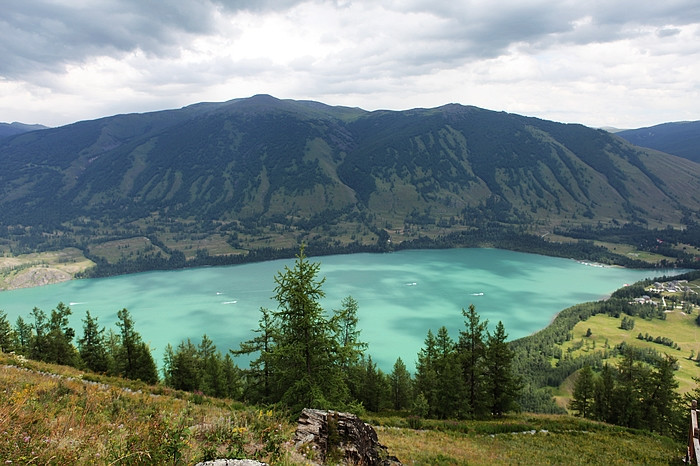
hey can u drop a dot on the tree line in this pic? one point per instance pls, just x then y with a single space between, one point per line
632 394
49 338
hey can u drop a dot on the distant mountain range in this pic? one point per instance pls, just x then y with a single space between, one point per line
680 138
261 172
11 129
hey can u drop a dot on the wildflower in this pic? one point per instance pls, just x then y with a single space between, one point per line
27 438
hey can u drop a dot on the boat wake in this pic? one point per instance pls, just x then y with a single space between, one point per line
477 294
229 302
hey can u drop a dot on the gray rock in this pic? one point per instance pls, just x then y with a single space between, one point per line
340 436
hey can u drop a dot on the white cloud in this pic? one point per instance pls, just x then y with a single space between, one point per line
621 63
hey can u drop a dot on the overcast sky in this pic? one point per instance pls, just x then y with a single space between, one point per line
621 63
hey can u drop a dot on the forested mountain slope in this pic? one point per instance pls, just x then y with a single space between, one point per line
288 170
678 138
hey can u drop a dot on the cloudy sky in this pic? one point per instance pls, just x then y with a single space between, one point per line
622 63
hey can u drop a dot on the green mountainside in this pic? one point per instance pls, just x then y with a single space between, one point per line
678 138
257 173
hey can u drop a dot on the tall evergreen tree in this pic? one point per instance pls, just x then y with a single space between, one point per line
449 386
306 355
628 392
662 400
91 346
23 332
347 335
426 374
400 380
258 386
185 373
503 385
38 344
603 409
584 393
135 360
7 335
472 349
59 346
213 382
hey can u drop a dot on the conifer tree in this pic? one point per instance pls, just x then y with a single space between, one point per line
305 357
213 382
93 351
603 409
502 384
584 393
348 336
662 398
23 333
38 344
259 377
7 335
426 375
135 360
185 373
59 346
449 386
400 380
472 349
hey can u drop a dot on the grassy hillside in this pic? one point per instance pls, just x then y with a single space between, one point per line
58 415
679 327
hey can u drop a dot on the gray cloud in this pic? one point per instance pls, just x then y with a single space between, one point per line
184 49
43 35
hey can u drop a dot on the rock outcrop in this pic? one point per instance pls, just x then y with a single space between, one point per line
332 436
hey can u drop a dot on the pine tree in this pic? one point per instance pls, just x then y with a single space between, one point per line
232 378
213 382
426 375
662 399
59 346
38 344
7 335
449 387
23 332
603 409
134 357
472 349
93 351
259 377
400 380
584 393
502 385
348 336
305 357
185 373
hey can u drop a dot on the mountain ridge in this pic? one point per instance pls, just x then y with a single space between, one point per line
288 171
681 138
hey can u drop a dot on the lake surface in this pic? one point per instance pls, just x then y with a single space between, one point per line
401 295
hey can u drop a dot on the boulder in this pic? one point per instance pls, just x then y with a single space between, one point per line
332 436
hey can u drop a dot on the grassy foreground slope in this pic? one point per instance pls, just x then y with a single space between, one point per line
57 415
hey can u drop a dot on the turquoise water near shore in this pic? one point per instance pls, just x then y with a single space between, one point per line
401 295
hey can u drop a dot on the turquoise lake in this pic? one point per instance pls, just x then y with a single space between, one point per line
401 295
